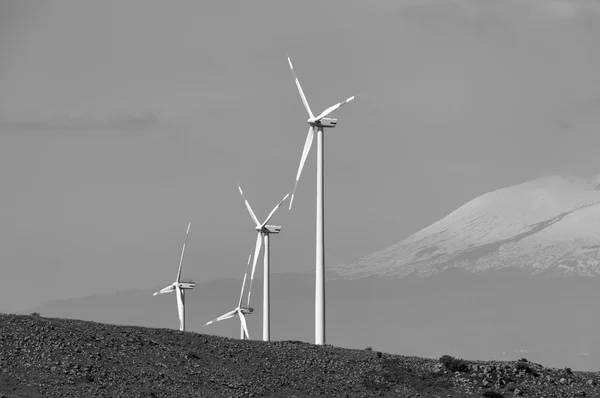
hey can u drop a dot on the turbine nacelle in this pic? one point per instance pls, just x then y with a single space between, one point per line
326 122
186 285
269 229
246 310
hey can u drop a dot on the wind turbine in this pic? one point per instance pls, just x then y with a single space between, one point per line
180 287
318 124
263 232
239 310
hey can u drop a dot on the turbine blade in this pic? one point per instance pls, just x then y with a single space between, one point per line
332 108
183 251
244 325
228 315
307 145
180 307
275 209
244 282
248 207
167 289
304 101
256 253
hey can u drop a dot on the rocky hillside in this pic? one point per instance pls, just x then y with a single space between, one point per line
548 226
48 357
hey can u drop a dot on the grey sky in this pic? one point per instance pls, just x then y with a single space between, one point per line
453 99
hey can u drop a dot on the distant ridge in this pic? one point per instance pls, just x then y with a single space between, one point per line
548 226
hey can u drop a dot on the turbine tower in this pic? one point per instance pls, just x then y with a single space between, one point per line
180 287
263 233
239 310
318 124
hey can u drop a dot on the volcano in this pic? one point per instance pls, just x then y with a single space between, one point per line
546 227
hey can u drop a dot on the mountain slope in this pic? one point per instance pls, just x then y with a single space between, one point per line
57 357
547 226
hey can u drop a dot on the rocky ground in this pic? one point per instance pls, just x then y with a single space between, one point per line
47 357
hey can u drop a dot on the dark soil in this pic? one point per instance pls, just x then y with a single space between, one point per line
47 357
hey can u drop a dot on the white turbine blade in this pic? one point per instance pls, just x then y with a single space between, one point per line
275 209
244 325
304 101
256 253
180 306
183 252
307 145
244 282
167 289
248 207
332 108
228 315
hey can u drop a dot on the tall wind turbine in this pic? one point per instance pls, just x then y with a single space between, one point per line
180 287
263 233
239 310
317 123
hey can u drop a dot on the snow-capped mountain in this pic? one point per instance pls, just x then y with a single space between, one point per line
548 226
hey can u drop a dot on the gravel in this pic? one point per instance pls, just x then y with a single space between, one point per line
49 357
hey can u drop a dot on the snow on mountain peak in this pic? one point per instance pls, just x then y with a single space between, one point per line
551 225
